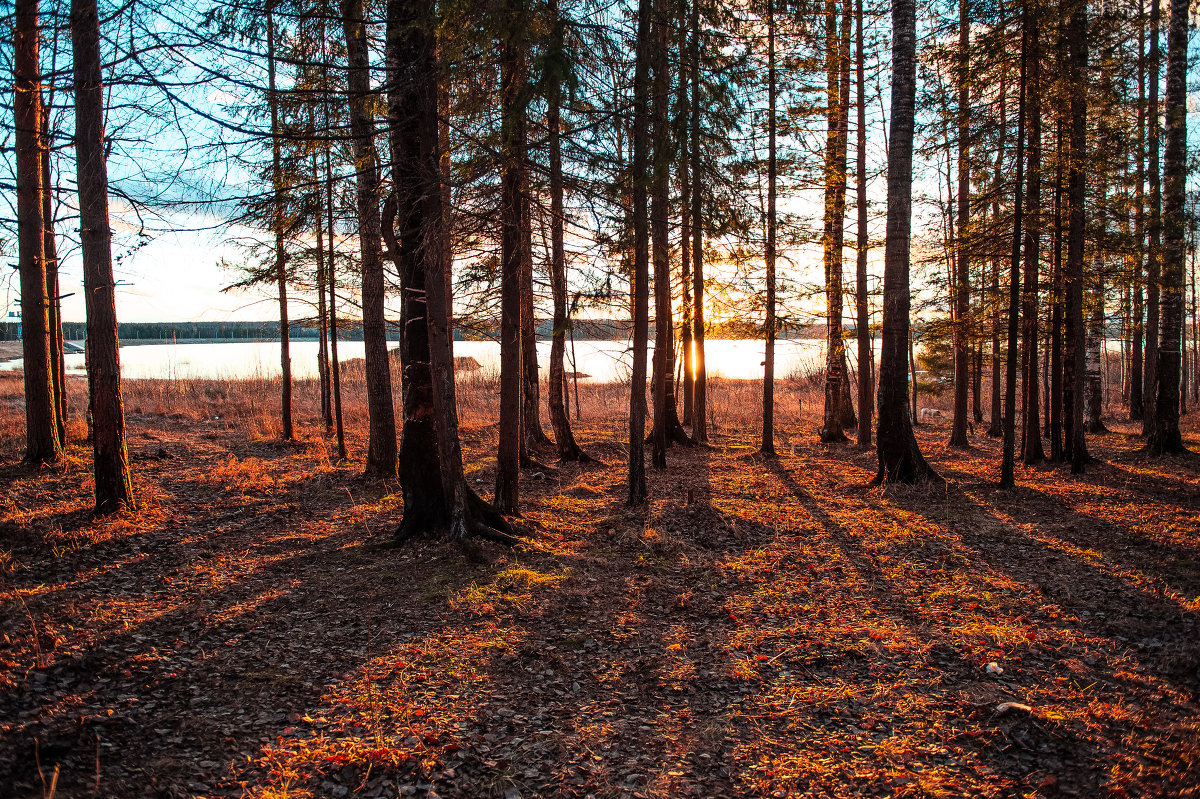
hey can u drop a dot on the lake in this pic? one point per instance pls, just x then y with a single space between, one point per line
602 361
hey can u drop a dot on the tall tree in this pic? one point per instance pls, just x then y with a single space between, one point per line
42 444
557 68
1077 66
866 355
437 500
381 445
277 228
699 368
113 486
512 183
1007 467
833 239
862 308
767 446
1154 251
900 458
639 280
1031 435
962 262
1164 435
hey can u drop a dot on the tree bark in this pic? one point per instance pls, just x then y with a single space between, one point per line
866 354
114 488
1154 252
437 500
1165 436
511 233
1007 465
768 421
381 446
639 280
900 458
1076 196
833 238
58 375
1031 436
278 190
1055 400
699 369
1137 390
42 443
962 276
568 448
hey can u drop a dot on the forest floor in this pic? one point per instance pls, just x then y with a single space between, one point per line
760 628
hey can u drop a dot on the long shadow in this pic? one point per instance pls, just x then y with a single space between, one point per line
172 689
1000 741
1166 635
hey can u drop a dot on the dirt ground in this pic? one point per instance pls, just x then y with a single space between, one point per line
760 628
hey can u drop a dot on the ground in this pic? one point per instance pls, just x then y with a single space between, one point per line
760 628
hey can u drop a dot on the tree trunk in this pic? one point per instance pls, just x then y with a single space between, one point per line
42 443
1031 436
639 280
568 449
996 427
381 446
683 119
1137 390
58 375
511 236
335 365
1076 196
1055 400
1007 465
1165 437
699 369
767 446
1154 252
437 500
531 423
962 277
833 238
114 488
278 190
866 354
900 459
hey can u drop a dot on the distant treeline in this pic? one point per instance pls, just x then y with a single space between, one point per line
585 330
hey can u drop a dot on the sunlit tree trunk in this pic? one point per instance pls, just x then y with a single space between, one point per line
113 486
833 238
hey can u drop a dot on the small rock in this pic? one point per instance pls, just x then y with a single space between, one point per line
1006 707
994 669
